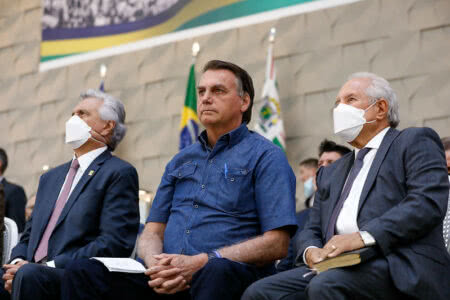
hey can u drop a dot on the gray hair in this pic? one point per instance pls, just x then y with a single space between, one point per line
380 88
111 110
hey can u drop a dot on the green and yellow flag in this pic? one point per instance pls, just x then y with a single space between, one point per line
189 125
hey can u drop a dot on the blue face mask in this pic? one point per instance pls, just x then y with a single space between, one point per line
308 188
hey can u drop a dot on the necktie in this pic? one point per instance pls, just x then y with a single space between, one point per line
447 226
346 190
41 251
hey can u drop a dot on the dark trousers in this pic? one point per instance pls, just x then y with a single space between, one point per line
34 282
370 280
218 279
4 295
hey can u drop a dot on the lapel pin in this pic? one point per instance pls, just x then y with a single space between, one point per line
91 172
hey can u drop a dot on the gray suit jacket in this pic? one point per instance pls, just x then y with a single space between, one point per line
402 205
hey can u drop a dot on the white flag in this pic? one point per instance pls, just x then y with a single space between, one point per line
270 124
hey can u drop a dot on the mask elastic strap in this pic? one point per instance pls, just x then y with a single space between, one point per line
370 106
92 137
368 122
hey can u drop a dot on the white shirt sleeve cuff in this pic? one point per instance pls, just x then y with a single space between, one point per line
15 261
367 238
51 264
304 253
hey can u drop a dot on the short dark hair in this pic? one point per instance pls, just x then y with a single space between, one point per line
243 79
4 160
310 163
446 142
330 146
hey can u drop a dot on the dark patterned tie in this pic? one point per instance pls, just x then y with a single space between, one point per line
41 251
346 191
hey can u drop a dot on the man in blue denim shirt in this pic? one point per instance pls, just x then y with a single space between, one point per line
223 213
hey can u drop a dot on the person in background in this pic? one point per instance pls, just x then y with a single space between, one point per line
446 143
307 171
329 152
84 208
15 197
30 206
391 193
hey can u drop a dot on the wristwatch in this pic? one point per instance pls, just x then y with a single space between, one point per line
367 238
214 254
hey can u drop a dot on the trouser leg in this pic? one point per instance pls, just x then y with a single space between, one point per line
289 284
37 282
369 280
223 279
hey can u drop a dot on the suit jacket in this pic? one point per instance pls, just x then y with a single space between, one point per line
15 203
100 218
402 205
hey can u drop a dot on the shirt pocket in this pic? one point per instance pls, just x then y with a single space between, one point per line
235 191
184 177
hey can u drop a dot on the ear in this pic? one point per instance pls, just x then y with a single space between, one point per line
383 108
245 102
109 127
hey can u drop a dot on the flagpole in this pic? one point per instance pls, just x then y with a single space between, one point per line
195 51
269 64
103 70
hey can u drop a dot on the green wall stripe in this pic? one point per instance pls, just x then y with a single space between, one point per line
237 10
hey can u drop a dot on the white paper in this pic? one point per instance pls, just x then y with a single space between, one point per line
120 264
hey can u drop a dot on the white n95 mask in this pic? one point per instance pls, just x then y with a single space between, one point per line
77 132
349 121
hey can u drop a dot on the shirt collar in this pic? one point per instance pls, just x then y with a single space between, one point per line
86 159
1 179
233 137
375 142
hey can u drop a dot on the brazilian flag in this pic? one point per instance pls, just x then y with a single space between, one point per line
189 125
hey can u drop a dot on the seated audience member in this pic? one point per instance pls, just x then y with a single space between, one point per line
15 197
391 194
222 214
29 207
329 152
446 142
307 170
86 207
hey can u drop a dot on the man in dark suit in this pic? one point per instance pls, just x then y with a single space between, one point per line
392 196
14 195
84 208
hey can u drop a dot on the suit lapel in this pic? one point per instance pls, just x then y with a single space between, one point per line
340 176
376 164
88 174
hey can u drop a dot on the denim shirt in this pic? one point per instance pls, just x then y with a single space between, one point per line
212 198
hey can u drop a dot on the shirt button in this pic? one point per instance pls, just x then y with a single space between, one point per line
179 174
232 179
203 186
211 161
195 206
187 231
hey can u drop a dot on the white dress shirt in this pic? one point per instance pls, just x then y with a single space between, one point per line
347 219
84 160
